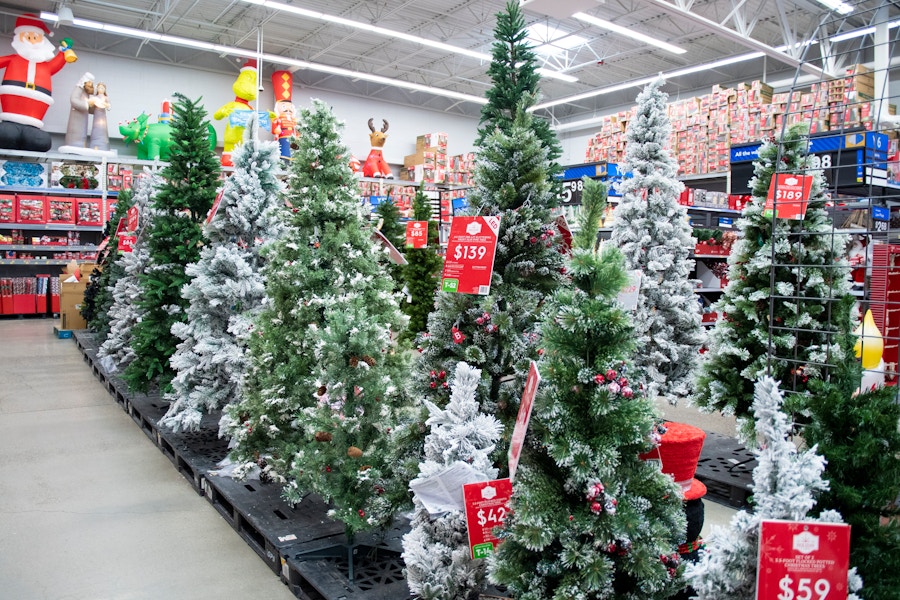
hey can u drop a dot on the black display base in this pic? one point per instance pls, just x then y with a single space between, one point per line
726 467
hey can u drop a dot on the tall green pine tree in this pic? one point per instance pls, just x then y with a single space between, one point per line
422 270
182 203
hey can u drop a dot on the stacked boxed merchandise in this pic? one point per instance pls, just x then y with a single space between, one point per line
23 302
461 169
71 296
90 211
41 289
7 208
31 209
400 194
61 210
430 162
54 295
6 305
453 201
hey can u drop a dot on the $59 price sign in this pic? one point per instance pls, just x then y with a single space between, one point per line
803 561
486 508
469 262
788 195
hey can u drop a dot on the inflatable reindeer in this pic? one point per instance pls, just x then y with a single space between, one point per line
375 164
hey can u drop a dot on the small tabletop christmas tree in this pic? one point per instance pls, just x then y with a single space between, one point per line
226 289
325 388
181 204
589 519
439 563
652 231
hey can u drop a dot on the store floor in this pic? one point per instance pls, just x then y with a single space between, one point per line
91 510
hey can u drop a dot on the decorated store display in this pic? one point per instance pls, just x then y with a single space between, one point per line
226 287
621 516
787 331
154 140
652 231
375 165
439 564
174 242
237 111
284 125
326 385
27 91
87 132
786 482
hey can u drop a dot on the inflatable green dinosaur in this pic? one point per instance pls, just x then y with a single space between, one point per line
153 140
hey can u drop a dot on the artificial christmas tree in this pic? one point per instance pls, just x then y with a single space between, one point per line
651 229
589 519
513 71
387 220
785 482
326 381
181 204
226 288
439 563
101 286
786 297
421 271
115 350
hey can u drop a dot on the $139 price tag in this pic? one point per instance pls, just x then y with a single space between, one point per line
469 262
486 508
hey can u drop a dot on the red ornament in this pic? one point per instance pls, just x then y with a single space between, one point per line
442 374
611 375
362 513
433 374
571 518
596 507
480 321
433 384
598 378
532 239
328 469
457 335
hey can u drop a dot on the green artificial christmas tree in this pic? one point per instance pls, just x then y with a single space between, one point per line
422 270
786 298
857 434
325 387
98 297
182 203
651 229
589 519
387 219
513 71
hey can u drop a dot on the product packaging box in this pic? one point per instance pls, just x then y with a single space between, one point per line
71 295
7 208
60 210
31 209
90 211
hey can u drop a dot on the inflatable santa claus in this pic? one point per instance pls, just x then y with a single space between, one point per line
25 91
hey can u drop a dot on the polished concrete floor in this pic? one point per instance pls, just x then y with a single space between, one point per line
90 509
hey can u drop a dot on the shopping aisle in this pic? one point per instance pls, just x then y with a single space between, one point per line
89 508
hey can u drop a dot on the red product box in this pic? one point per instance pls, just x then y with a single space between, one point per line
31 209
90 211
61 210
7 208
111 207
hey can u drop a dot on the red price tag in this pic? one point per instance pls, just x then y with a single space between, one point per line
126 242
803 561
215 207
522 419
120 228
469 262
417 234
487 504
132 216
789 195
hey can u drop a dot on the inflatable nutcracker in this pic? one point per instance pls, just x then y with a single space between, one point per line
284 124
26 92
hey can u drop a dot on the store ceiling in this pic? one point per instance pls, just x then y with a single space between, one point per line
709 30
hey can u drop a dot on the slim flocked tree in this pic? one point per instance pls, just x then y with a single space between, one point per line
589 519
652 231
785 483
422 270
325 386
112 269
226 288
787 291
181 203
439 563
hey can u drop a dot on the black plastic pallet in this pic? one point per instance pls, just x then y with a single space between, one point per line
195 452
377 575
726 467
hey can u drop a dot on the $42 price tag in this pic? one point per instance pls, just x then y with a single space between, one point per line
486 508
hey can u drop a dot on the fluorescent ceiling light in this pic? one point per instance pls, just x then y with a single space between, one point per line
270 58
368 27
841 8
604 24
843 37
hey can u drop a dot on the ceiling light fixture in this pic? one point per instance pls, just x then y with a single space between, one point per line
65 15
610 26
841 8
271 58
368 27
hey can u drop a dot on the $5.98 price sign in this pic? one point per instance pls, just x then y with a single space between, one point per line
803 561
469 262
486 508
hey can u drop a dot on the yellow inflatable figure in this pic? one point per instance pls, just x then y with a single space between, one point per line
245 91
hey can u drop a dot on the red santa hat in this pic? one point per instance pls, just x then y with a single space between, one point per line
250 65
679 452
30 22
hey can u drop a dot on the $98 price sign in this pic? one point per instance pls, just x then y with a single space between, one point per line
803 561
469 262
486 508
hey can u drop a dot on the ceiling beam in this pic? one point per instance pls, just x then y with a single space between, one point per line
736 37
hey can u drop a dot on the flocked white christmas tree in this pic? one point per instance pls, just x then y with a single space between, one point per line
652 231
439 564
115 352
226 289
784 483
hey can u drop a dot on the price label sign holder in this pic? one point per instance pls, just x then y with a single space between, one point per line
487 504
469 262
522 419
417 234
788 196
802 560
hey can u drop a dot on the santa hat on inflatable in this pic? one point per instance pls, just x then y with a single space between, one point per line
249 65
679 452
31 23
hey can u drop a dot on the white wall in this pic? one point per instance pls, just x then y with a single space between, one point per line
135 86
